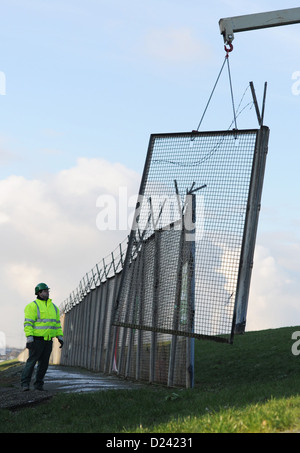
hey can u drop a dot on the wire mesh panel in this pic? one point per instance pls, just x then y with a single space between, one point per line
186 248
93 342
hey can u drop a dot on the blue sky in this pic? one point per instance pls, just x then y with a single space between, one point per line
87 82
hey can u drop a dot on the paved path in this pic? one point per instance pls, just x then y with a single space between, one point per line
57 379
75 380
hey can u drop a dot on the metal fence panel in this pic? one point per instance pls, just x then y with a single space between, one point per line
192 257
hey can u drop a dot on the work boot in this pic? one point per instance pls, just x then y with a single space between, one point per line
25 388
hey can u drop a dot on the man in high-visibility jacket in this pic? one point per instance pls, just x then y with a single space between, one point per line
42 323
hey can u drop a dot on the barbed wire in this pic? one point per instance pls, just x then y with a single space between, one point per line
107 268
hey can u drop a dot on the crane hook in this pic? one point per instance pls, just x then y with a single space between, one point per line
228 49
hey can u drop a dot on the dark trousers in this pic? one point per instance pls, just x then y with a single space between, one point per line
40 354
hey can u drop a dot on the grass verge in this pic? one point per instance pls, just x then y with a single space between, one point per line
250 386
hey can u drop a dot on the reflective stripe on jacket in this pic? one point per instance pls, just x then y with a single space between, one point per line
42 319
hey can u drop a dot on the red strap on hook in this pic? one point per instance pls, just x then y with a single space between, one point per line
228 49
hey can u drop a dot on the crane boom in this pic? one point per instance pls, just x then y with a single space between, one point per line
230 25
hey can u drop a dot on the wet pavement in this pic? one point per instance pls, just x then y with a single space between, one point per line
58 379
76 380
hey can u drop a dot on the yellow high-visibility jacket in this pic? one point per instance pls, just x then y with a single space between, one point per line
42 320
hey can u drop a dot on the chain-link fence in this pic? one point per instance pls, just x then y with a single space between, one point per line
186 270
91 341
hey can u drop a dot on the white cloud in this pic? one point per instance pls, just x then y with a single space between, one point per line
274 300
22 275
48 233
4 218
91 174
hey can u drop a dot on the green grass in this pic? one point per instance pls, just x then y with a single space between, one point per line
250 386
8 364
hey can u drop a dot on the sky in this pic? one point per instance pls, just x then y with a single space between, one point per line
83 84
